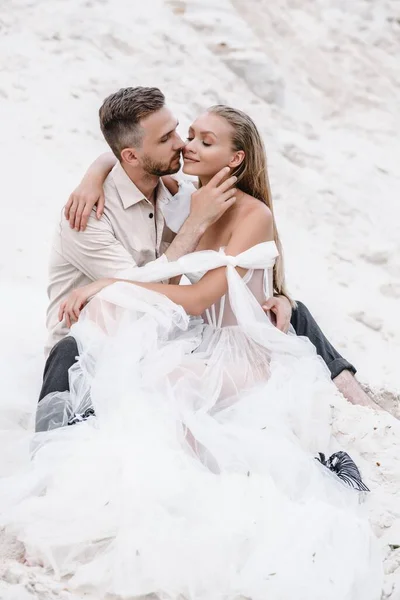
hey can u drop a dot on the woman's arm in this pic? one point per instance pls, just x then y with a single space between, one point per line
255 228
89 192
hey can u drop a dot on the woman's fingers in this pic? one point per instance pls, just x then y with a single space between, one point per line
228 195
76 309
218 177
70 309
67 318
85 218
72 211
65 313
61 311
83 207
228 203
78 214
79 206
226 185
68 206
100 206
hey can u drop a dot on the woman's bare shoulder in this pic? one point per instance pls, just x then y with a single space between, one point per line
250 207
253 218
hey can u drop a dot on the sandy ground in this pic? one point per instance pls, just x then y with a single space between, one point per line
322 80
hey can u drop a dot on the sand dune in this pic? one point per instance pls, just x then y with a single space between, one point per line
322 80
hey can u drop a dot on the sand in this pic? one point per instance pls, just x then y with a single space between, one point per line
322 80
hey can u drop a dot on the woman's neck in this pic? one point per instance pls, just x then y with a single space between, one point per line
204 180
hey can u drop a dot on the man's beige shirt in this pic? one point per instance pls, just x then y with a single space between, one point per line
130 233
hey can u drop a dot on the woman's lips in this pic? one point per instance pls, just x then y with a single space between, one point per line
190 159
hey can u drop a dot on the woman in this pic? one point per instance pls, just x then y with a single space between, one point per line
197 477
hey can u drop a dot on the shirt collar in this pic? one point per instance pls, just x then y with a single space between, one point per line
130 193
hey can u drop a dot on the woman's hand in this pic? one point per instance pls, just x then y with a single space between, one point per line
88 194
71 307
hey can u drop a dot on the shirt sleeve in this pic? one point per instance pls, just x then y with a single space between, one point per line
96 252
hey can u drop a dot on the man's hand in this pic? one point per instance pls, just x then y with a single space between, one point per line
80 203
211 201
282 310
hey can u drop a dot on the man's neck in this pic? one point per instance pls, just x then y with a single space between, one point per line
146 183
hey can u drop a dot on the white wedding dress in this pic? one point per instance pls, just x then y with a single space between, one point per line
197 477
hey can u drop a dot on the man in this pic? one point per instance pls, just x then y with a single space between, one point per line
133 231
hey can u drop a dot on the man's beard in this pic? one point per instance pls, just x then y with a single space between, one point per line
159 169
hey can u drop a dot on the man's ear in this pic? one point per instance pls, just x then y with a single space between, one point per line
237 159
129 155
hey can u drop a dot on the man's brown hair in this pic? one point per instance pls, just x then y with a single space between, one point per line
121 113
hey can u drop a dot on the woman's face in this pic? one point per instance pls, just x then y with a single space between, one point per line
209 146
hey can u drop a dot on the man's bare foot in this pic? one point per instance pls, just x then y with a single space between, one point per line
348 385
388 399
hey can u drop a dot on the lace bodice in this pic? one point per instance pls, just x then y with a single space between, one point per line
220 314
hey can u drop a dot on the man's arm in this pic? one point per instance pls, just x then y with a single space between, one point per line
97 253
207 205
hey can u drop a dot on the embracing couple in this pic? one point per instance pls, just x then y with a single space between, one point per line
178 424
150 216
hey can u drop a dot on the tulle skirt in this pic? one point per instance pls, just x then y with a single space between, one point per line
197 477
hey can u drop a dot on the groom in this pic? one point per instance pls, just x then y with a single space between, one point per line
135 229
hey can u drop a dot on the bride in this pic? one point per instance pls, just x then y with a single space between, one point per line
196 475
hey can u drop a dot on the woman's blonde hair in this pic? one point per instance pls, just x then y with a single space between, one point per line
252 174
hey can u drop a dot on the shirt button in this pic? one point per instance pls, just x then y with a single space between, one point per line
151 215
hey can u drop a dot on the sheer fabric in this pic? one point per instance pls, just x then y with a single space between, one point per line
220 314
197 478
